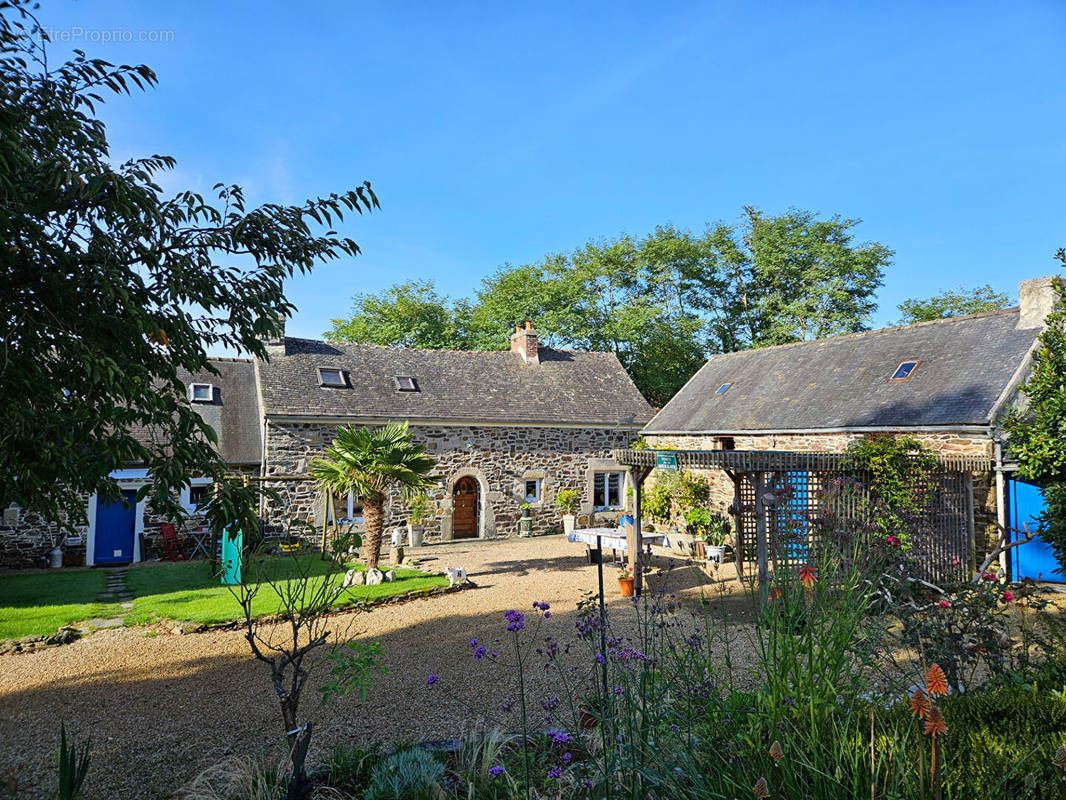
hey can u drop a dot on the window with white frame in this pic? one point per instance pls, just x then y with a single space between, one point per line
201 392
533 490
607 490
199 495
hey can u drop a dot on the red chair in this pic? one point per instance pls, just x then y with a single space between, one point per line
172 545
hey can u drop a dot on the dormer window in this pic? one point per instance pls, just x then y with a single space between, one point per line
904 372
201 392
406 384
332 377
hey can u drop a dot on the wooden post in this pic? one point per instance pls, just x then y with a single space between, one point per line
633 531
738 540
760 536
971 529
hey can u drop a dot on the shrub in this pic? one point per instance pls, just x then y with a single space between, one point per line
419 507
567 500
412 774
348 768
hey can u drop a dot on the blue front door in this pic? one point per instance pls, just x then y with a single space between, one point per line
1033 559
114 530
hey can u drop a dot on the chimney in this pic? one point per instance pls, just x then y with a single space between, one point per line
524 342
1037 298
275 345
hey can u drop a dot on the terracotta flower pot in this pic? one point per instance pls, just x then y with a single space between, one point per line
626 585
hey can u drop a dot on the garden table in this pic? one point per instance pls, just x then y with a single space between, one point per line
201 538
613 539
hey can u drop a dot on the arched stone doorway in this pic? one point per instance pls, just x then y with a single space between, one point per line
466 496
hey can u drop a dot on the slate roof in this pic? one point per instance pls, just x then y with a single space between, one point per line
566 387
842 382
234 410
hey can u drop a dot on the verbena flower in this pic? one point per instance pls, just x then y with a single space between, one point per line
516 621
559 737
432 679
496 771
554 773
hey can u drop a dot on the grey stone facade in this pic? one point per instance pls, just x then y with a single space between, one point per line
500 458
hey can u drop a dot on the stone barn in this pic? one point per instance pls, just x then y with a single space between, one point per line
946 382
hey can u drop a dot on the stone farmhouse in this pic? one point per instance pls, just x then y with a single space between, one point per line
946 382
506 427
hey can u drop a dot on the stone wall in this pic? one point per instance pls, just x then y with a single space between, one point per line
984 483
499 458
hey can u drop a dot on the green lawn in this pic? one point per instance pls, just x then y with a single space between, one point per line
190 592
42 602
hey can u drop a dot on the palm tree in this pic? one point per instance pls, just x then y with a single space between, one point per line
368 463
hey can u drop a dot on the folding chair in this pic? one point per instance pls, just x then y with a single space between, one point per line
172 545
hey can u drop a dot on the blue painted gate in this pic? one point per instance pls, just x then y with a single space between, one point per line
115 529
1034 559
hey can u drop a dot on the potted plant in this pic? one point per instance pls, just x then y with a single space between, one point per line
716 534
566 500
525 524
417 514
697 520
625 581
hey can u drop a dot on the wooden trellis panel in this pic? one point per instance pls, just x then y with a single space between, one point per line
808 503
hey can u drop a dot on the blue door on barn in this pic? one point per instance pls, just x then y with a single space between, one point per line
1033 559
115 526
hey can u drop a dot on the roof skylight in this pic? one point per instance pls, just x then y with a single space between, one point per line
201 392
331 376
905 371
406 384
722 389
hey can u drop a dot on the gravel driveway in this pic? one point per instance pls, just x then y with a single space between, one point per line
159 707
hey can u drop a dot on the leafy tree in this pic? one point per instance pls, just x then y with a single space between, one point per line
107 287
952 303
666 301
811 279
1037 433
369 463
410 314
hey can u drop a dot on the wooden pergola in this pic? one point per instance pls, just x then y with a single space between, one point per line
756 474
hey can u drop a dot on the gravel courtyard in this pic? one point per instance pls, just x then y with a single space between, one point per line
160 706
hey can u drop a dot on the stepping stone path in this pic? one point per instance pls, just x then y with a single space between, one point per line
115 590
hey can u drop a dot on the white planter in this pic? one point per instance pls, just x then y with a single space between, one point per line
569 521
414 535
715 554
55 558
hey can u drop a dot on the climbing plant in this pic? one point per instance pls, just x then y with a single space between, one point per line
897 467
1036 435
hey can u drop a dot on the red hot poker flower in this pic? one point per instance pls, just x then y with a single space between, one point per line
934 723
919 704
807 576
935 681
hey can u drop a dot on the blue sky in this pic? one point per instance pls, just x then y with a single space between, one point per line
500 132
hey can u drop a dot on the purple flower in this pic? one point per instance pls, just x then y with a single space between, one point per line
674 729
599 658
547 615
567 758
473 642
619 690
516 621
555 772
559 737
494 654
587 783
496 771
479 653
542 606
432 679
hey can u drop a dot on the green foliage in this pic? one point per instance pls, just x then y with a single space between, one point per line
952 303
1037 434
354 666
348 768
662 303
368 463
73 766
897 466
412 774
655 502
409 314
418 508
567 501
676 495
108 287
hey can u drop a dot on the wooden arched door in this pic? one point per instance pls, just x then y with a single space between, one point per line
465 509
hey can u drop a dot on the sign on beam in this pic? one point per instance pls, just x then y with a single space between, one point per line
667 461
